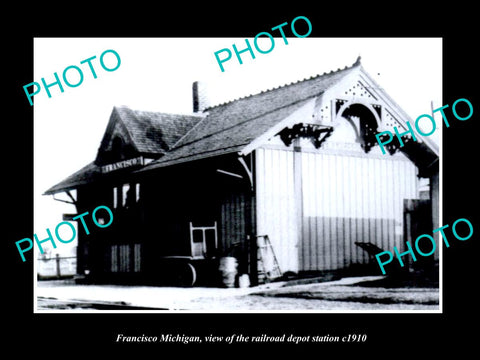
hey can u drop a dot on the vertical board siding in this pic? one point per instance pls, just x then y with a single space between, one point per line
345 199
351 199
232 221
276 215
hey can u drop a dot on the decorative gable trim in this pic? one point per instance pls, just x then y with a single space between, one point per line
300 115
316 133
117 143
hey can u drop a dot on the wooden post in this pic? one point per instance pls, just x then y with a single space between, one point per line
298 193
57 260
250 222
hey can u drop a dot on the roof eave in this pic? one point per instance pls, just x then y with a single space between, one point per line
299 115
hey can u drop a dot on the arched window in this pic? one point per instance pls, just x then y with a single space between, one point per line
117 145
121 150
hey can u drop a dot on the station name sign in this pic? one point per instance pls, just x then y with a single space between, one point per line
138 161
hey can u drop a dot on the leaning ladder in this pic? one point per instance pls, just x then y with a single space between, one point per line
268 268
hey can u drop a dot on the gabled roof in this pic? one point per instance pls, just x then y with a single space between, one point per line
230 126
221 129
224 139
155 131
150 133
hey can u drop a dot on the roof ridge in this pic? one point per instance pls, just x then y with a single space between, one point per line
165 113
135 111
331 72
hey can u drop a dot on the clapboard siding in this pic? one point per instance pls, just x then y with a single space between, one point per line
342 199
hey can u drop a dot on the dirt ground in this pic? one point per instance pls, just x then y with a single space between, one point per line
349 294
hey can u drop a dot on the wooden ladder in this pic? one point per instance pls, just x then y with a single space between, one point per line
268 267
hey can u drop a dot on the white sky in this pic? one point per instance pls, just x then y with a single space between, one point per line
156 74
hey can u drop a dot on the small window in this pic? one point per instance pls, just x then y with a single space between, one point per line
126 195
125 189
115 197
137 192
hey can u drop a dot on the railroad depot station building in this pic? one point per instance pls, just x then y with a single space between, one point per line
290 180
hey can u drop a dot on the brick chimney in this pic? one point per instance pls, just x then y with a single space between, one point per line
200 98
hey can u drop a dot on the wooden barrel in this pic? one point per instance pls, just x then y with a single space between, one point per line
228 269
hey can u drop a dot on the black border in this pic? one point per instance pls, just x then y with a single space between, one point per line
388 334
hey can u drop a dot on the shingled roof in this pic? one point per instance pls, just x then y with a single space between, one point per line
230 126
85 175
155 132
221 129
151 134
